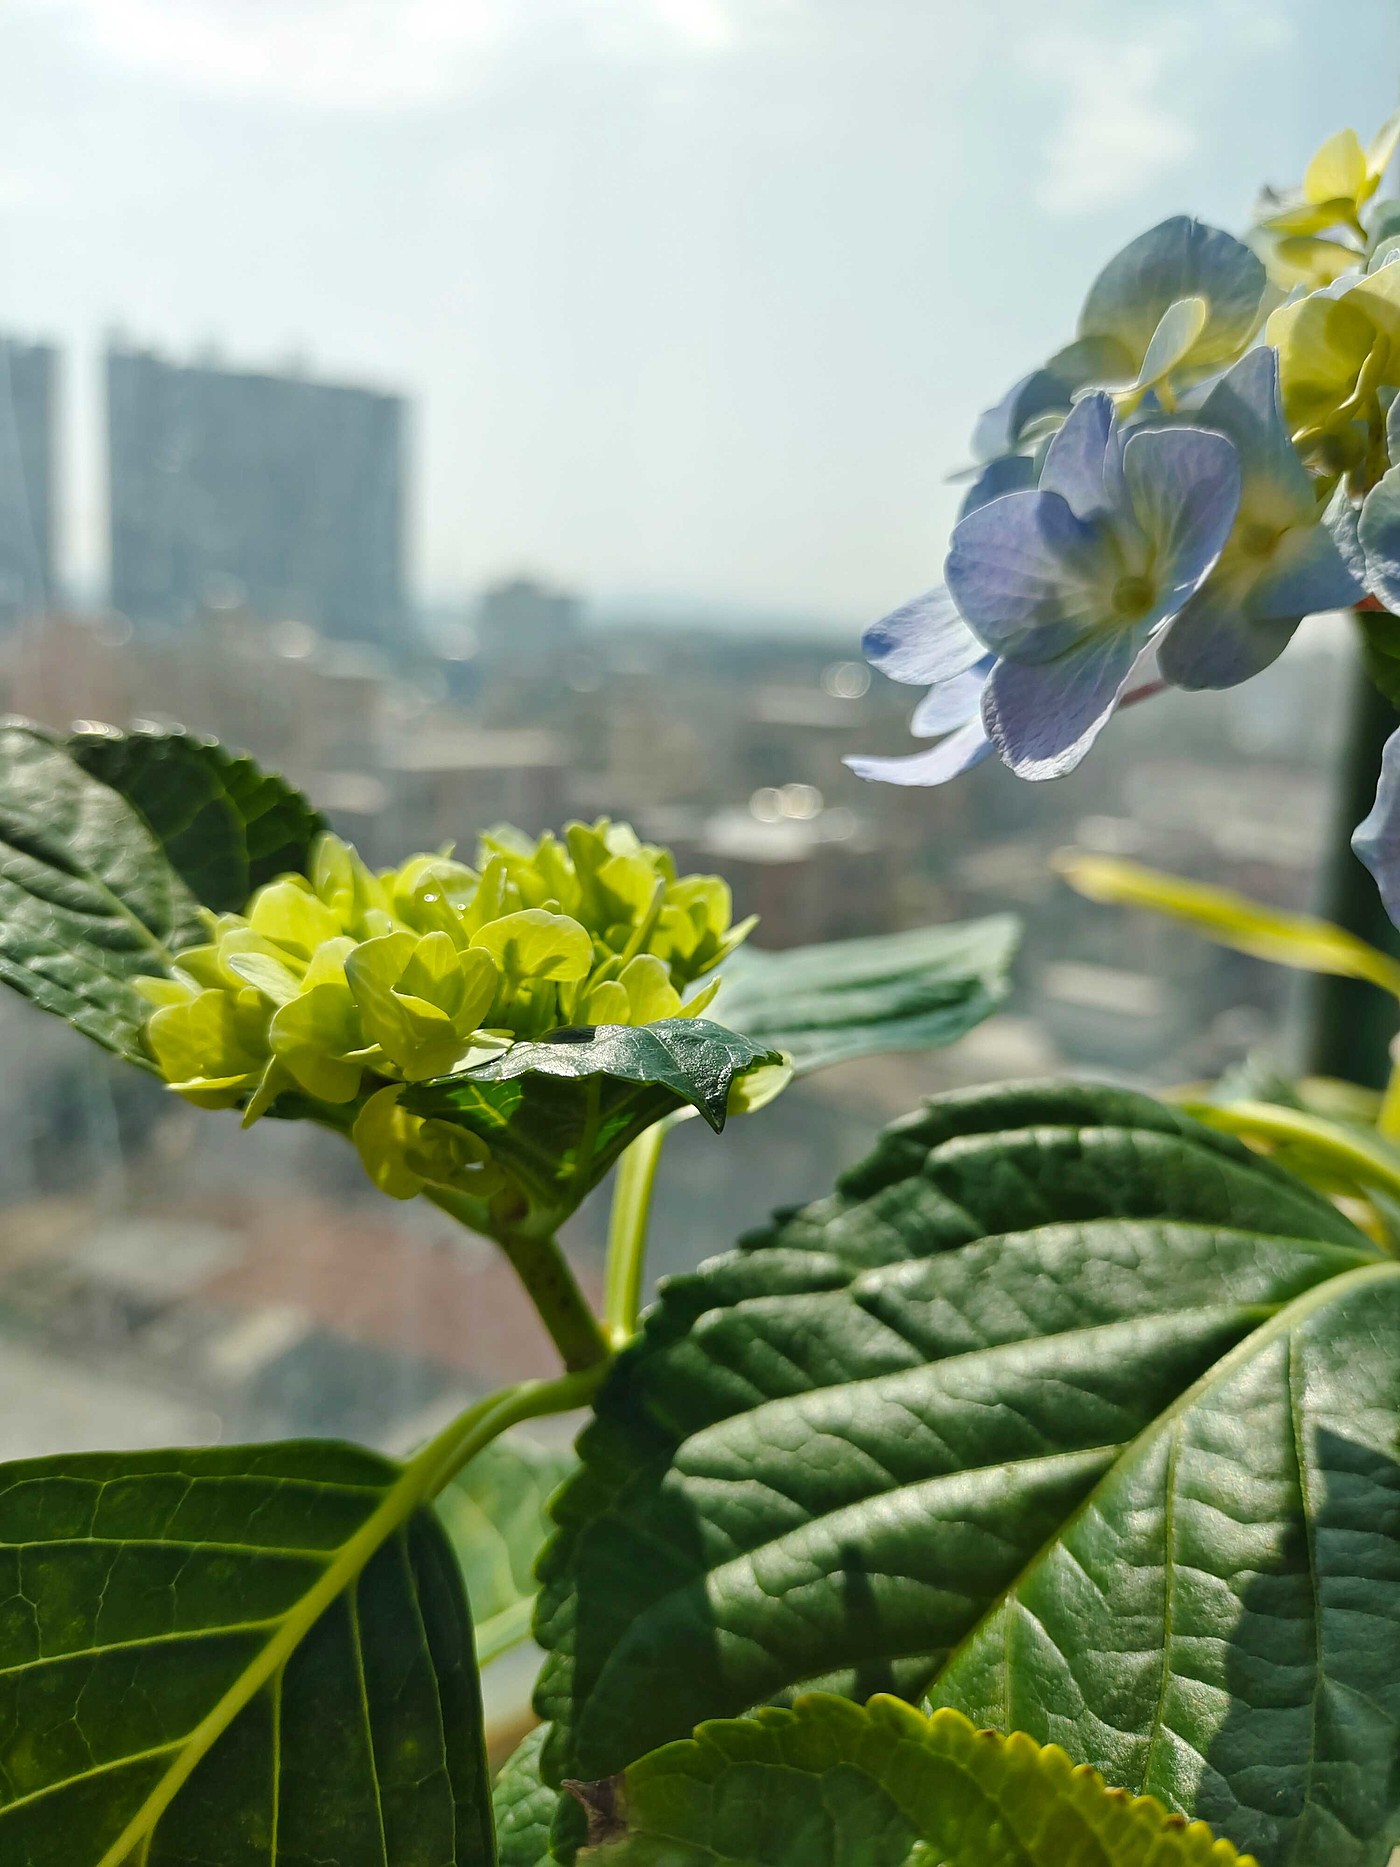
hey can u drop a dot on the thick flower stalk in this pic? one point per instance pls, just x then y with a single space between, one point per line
336 989
1214 457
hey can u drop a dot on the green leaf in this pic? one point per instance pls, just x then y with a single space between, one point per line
225 825
109 844
494 1515
557 1114
233 1657
1233 920
526 1809
852 1785
88 899
1380 650
1063 1410
854 998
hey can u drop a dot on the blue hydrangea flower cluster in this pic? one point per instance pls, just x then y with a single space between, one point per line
1213 458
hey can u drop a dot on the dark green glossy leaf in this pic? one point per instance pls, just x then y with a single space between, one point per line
558 1113
88 899
109 844
494 1514
1380 650
853 1786
234 1657
226 825
853 998
1063 1410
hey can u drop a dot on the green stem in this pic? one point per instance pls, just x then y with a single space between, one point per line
1349 1156
627 1233
544 1270
439 1462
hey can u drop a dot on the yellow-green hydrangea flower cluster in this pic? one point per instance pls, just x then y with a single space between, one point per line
343 985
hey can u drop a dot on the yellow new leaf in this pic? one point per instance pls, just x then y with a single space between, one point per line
1267 933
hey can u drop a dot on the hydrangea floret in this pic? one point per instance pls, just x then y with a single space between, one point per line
1312 234
341 986
1213 458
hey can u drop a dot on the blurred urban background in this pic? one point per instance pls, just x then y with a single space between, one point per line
174 1277
266 553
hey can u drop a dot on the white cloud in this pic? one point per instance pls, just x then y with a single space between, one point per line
351 54
355 54
702 22
1120 125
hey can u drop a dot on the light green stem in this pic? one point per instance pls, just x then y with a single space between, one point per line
1388 1120
627 1234
1349 1156
544 1270
443 1457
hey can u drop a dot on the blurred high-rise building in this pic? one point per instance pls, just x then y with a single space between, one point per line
527 626
230 489
28 452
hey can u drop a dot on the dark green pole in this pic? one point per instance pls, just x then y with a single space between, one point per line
1350 1024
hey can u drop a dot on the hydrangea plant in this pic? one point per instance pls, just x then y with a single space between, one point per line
344 986
1032 1499
1207 462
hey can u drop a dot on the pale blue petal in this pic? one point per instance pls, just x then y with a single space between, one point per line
1084 461
1213 643
1379 534
1027 574
1181 258
951 703
1185 488
1392 432
952 756
1013 473
1042 719
1049 390
1343 520
1305 573
998 429
924 642
1377 840
1245 405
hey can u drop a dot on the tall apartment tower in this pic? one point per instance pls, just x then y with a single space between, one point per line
229 488
526 626
28 456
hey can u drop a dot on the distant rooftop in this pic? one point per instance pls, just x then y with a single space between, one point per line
476 748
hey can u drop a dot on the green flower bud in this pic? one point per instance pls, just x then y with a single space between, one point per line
211 1046
345 985
403 1153
421 998
317 1035
537 945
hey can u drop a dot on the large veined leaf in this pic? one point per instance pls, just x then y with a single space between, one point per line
109 845
853 998
494 1514
88 899
557 1114
235 1657
1063 1411
226 825
879 1786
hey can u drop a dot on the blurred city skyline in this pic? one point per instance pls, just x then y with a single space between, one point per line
696 299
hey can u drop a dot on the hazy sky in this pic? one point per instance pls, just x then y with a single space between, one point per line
695 297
